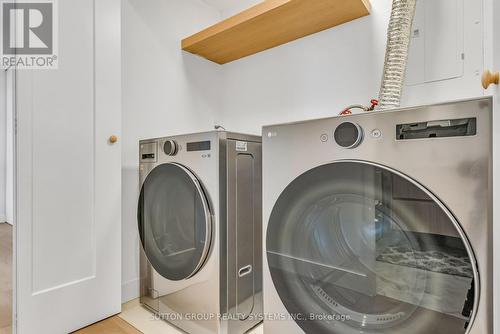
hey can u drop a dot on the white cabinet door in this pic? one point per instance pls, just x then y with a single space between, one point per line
446 56
68 222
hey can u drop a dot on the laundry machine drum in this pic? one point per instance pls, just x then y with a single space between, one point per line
174 220
355 247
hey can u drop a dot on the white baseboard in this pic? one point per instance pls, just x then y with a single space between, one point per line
3 219
130 290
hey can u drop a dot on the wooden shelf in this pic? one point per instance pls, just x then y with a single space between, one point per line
269 24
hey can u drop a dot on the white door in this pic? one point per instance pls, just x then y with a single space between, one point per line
68 224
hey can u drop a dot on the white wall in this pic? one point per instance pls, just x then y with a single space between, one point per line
165 92
3 144
237 6
319 75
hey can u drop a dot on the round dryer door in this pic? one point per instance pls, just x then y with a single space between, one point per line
175 223
354 247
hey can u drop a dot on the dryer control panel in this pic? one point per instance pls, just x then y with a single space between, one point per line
348 135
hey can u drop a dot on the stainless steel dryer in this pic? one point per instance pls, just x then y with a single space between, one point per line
199 219
380 222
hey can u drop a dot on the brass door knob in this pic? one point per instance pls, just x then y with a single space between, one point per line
113 139
490 79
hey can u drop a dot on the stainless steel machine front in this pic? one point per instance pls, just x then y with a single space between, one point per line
380 222
200 225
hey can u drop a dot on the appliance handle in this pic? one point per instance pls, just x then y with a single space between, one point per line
245 271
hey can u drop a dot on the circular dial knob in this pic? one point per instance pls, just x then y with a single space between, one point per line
170 147
348 135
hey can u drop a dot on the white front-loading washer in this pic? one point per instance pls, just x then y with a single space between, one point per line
380 222
199 220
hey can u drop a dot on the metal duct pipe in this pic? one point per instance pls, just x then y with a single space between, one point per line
396 57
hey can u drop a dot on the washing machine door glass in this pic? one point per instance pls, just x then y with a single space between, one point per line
175 224
354 247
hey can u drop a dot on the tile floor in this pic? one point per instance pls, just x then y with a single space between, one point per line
140 318
135 319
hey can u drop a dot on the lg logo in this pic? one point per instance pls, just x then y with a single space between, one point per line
28 28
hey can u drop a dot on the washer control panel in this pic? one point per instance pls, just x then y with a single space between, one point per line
348 135
170 148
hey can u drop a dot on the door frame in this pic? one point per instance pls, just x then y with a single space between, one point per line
14 201
13 162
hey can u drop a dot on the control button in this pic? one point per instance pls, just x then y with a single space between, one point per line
324 138
376 133
170 148
348 135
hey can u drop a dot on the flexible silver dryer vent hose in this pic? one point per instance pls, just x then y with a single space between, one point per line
396 57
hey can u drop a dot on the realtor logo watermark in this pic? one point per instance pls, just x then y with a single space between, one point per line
29 34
